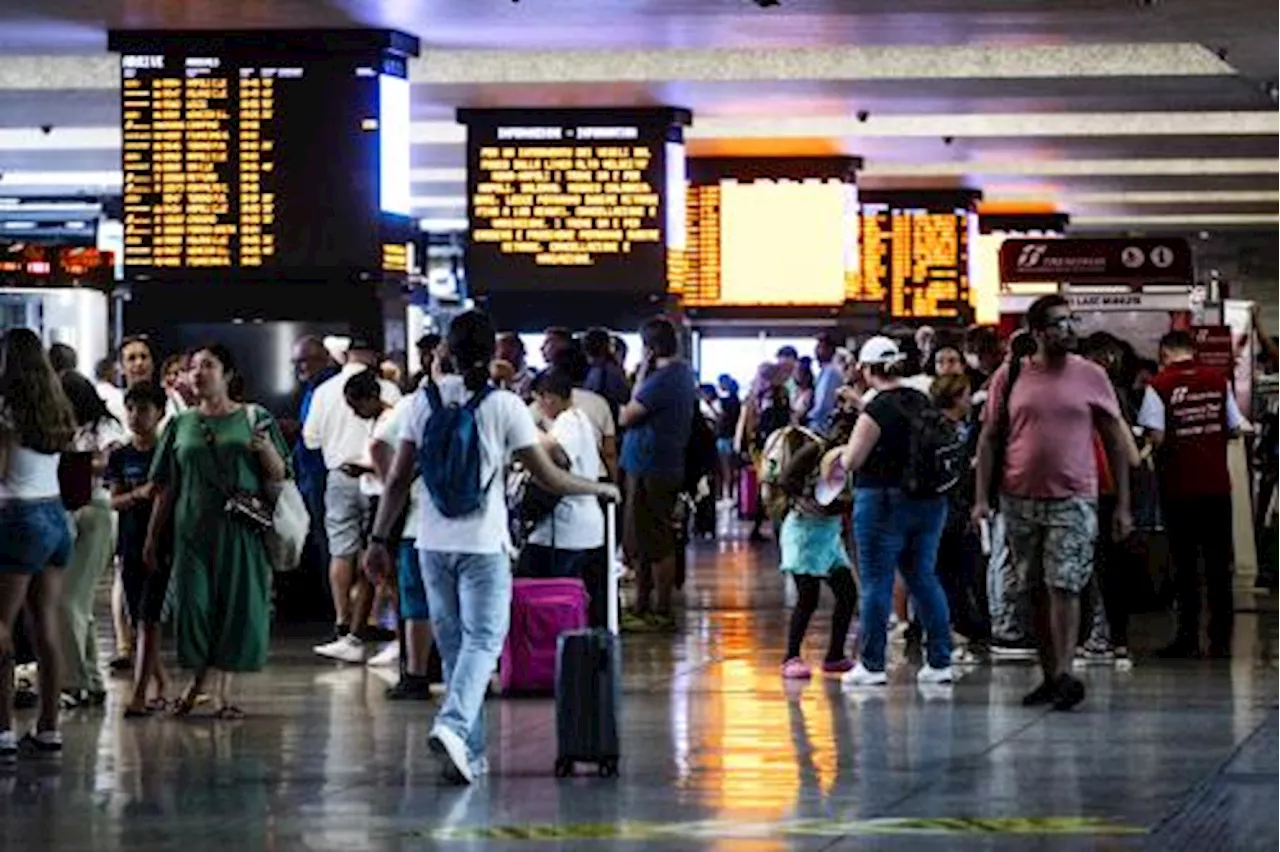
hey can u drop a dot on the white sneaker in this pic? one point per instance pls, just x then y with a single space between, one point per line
861 676
348 649
388 657
479 768
8 745
929 674
451 751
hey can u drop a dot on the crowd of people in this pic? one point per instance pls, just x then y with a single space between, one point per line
980 493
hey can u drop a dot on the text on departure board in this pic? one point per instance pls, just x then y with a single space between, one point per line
916 260
568 204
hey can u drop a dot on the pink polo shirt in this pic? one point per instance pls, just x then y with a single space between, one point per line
1050 453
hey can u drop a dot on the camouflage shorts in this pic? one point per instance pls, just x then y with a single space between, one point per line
1052 540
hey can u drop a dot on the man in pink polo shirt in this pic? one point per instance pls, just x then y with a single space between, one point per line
1038 433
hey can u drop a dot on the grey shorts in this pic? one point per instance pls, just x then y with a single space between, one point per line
347 514
1052 540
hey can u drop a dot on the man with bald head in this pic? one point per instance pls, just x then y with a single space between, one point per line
313 366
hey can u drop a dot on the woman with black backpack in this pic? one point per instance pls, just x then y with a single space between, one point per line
896 511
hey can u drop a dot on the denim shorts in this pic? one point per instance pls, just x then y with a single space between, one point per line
413 594
34 534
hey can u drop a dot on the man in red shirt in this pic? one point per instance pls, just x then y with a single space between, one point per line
1201 416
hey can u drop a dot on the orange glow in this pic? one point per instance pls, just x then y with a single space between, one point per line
764 148
1016 207
782 243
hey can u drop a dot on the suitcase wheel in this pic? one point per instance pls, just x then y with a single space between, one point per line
564 768
608 768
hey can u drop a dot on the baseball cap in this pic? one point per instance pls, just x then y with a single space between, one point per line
361 344
880 350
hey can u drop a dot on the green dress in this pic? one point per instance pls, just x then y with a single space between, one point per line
221 573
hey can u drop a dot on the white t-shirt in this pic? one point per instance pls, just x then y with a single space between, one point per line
505 427
370 483
391 430
593 405
333 428
113 398
100 440
578 520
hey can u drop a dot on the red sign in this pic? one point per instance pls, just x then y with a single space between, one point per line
1215 347
1096 261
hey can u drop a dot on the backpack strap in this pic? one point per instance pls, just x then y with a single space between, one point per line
432 390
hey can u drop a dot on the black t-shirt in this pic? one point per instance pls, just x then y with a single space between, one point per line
890 410
730 410
129 468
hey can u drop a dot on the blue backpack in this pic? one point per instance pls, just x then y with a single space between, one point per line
449 454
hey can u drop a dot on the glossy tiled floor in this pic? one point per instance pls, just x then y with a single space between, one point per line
719 755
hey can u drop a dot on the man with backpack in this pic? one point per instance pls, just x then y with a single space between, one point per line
462 435
1042 430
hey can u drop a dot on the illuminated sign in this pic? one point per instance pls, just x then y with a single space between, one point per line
916 260
55 266
572 200
261 160
1099 261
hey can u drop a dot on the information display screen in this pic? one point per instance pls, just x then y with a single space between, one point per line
917 260
267 163
578 205
31 265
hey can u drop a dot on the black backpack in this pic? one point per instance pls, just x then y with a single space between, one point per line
936 455
700 456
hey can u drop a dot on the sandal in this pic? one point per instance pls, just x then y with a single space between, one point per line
161 705
229 713
190 700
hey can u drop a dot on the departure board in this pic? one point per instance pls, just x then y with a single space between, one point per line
260 161
917 260
571 202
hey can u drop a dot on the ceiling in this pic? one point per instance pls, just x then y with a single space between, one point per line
1133 116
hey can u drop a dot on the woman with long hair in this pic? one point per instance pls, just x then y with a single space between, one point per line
36 424
98 432
214 465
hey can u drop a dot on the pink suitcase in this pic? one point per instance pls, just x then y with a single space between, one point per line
540 611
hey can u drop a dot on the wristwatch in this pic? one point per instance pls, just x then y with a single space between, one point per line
380 540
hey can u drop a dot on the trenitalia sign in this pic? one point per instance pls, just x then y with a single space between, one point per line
1096 261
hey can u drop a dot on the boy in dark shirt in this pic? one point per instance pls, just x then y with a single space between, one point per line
128 471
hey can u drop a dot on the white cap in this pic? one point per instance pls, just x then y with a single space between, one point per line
880 350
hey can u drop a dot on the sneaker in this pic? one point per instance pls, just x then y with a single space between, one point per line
1068 692
969 656
1042 694
1011 653
796 669
662 622
451 751
1124 663
8 745
339 631
410 688
43 742
634 622
1097 651
121 664
479 768
348 649
861 676
928 674
388 657
838 666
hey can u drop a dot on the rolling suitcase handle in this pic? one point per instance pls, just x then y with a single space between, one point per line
611 568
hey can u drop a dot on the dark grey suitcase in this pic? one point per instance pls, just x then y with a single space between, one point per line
589 683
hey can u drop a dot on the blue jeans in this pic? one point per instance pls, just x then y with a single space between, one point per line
887 524
469 595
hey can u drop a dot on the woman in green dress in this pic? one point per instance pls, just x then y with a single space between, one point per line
210 457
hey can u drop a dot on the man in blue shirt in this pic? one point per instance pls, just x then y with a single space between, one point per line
829 381
658 420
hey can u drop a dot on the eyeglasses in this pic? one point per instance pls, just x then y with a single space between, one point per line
1070 322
